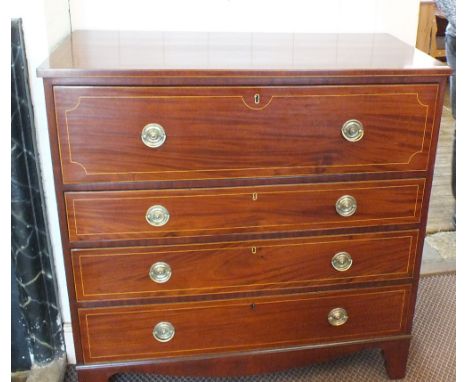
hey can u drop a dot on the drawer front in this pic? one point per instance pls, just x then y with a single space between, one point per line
121 215
242 132
126 333
126 273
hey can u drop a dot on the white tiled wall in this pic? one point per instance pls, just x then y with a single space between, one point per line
398 17
57 20
46 22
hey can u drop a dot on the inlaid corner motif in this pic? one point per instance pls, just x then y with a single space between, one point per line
254 103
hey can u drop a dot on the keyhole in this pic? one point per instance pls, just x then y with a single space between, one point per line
257 99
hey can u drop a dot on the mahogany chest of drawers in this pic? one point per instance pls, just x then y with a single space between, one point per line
240 203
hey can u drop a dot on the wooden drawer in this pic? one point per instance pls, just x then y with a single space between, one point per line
121 215
126 333
124 273
222 132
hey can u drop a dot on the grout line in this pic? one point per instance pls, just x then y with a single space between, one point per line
69 17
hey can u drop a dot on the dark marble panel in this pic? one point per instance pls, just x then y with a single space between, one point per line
20 356
31 253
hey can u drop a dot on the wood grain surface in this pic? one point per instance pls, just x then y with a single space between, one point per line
112 55
245 266
240 324
394 349
121 215
220 132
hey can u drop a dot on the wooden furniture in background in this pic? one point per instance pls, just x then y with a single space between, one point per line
431 29
240 203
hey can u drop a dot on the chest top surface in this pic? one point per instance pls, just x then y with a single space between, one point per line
125 53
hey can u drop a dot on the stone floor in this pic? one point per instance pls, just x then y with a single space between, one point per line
439 253
440 245
442 203
53 372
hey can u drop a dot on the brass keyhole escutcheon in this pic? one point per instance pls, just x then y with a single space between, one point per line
257 99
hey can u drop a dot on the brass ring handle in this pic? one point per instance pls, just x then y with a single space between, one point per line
352 130
160 272
337 317
342 261
164 332
346 205
157 215
153 135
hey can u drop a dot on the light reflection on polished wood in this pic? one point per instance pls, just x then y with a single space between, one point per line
94 51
